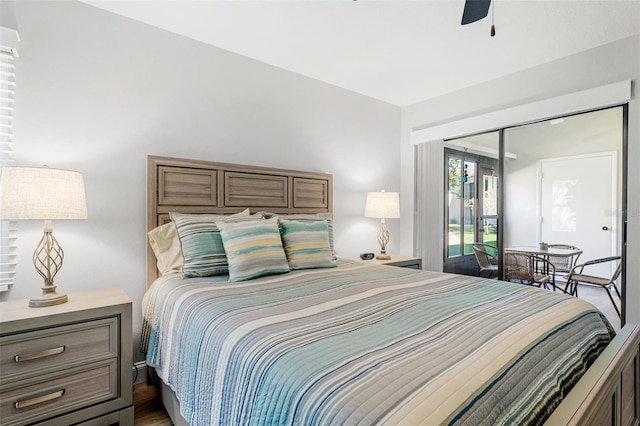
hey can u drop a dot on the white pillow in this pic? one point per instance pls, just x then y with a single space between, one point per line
166 246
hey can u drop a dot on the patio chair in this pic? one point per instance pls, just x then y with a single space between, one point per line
579 275
563 264
529 269
487 258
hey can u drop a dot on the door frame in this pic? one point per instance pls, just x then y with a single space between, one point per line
613 158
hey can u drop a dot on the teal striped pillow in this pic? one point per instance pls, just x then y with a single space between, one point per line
309 217
307 244
201 244
253 249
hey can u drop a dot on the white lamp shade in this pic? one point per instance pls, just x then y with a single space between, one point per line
41 193
382 205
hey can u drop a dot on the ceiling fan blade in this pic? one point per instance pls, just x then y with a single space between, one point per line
474 10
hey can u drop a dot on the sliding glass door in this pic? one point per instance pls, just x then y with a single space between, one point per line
564 184
560 181
471 199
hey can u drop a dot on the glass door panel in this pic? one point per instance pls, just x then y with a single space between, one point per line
489 193
454 195
563 184
489 202
469 213
471 199
490 231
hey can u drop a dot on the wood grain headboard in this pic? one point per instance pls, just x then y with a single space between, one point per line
194 186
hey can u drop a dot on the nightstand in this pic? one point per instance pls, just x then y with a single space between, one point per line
68 363
401 261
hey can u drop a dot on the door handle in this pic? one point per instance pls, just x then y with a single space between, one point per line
605 228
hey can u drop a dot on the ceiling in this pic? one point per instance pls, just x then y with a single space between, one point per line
400 52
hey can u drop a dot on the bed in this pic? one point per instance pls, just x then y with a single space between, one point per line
355 343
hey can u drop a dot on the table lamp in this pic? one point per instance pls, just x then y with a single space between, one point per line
42 193
383 205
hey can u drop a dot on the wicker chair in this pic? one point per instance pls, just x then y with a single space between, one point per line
529 269
487 257
578 275
563 264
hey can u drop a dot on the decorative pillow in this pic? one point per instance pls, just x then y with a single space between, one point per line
307 244
309 217
253 249
166 246
201 244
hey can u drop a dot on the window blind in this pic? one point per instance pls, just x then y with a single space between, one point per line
8 230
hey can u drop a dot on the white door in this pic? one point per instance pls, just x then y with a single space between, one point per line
578 205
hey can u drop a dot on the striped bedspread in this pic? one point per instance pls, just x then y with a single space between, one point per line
366 344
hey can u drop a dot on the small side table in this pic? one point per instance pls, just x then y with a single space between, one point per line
67 364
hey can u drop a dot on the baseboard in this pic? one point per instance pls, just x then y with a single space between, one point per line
139 371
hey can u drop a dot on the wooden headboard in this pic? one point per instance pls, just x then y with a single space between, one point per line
194 186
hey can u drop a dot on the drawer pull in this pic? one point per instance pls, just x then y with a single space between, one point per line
39 400
36 355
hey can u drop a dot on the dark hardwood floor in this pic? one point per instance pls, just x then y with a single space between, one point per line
148 408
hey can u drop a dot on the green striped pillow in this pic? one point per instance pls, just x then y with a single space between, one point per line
201 244
307 244
253 249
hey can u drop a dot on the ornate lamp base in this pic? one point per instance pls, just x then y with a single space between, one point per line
49 298
383 240
48 260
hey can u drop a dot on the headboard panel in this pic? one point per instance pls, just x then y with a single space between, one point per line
195 186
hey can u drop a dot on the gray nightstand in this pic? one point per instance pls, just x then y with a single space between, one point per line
401 261
68 363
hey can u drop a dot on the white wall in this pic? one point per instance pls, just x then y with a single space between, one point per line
98 92
603 65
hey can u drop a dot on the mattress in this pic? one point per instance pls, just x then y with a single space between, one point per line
367 344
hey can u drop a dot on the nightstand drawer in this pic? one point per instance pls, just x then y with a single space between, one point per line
33 353
39 400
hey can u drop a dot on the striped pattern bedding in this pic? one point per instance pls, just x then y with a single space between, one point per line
366 344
